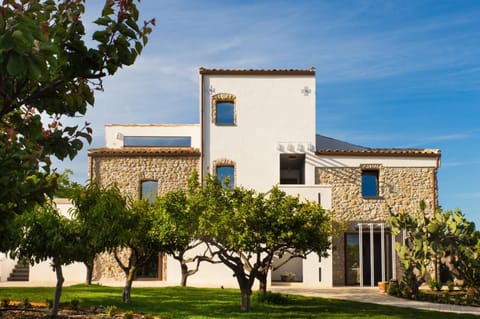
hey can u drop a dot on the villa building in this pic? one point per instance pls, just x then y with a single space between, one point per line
258 128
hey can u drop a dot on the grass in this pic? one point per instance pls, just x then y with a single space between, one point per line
181 302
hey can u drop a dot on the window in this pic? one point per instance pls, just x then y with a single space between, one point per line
160 141
370 183
225 113
223 109
225 172
292 168
149 190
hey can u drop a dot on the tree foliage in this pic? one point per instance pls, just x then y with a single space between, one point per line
48 71
177 215
138 240
99 211
45 234
246 229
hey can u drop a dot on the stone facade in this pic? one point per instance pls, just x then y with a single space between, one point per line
127 168
400 189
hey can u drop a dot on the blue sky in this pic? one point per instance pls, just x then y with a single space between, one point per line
389 73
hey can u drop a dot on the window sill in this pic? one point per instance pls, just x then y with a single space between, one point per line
373 197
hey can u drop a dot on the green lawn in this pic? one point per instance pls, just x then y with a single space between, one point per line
179 302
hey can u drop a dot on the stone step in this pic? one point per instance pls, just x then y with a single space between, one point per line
20 272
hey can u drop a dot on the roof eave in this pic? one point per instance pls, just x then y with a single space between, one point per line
310 71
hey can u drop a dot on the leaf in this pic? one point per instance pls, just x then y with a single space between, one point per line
100 36
105 20
16 66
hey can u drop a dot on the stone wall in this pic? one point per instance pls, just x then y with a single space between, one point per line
400 189
127 171
171 172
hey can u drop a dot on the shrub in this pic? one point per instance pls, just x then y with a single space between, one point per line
148 316
26 304
93 309
49 303
271 298
128 315
450 285
5 302
74 303
110 311
435 285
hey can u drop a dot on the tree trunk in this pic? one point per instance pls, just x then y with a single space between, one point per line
184 268
245 289
262 279
58 291
246 292
89 264
128 285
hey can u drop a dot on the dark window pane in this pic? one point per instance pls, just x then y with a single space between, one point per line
369 183
224 172
225 113
161 141
149 190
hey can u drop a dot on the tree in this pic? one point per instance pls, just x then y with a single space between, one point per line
177 216
99 213
47 72
292 228
47 235
138 239
246 230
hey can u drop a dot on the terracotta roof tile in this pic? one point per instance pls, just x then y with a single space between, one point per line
144 151
310 71
396 152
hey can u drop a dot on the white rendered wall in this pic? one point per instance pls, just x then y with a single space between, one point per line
209 275
269 110
6 266
114 133
356 161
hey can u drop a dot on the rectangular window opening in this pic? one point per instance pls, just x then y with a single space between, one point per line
157 141
292 169
370 183
226 175
225 113
149 190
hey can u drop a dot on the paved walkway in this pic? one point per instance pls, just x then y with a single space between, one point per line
366 295
372 295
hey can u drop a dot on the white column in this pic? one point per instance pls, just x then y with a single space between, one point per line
394 259
372 259
360 251
382 243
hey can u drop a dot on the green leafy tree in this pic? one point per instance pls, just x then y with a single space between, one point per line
245 232
293 229
48 72
177 216
138 239
47 235
101 213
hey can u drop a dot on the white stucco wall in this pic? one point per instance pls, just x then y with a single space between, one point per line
356 161
270 110
114 133
209 275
